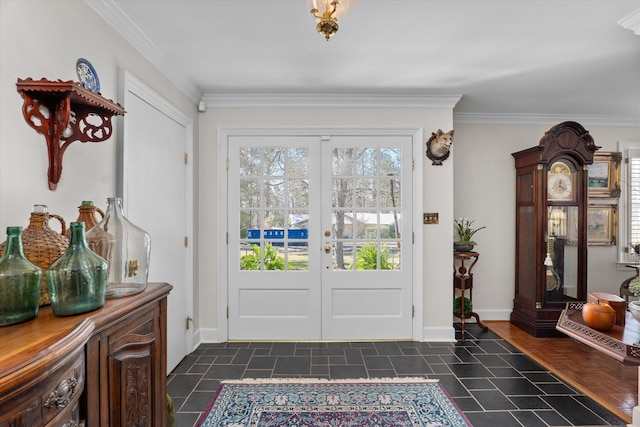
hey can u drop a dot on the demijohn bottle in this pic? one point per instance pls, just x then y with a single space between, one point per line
77 280
20 282
126 247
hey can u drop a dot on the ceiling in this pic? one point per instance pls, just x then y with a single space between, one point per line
506 58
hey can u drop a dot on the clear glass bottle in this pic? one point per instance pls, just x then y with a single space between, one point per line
128 251
20 282
78 279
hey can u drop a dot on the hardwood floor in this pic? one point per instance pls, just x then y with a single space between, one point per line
608 382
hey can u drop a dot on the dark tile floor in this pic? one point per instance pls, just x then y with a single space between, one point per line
493 383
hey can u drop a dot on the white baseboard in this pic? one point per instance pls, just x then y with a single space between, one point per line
429 334
447 334
206 335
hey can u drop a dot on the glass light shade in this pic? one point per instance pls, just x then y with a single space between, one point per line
341 9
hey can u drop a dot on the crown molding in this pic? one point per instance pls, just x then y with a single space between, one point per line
631 22
127 28
545 119
330 100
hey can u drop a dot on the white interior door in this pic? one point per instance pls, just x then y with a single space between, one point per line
367 225
155 192
316 227
274 257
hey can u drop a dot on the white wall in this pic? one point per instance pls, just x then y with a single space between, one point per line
438 196
484 189
42 38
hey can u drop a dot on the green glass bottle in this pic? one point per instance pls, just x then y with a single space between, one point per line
78 279
20 282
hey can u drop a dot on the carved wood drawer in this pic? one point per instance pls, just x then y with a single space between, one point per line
60 399
56 402
105 368
68 417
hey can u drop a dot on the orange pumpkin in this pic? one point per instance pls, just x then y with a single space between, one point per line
599 316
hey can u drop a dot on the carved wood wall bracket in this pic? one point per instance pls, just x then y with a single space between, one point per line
64 112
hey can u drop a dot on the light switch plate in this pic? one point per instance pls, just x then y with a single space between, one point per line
430 218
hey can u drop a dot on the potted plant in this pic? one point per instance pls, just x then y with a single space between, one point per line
465 230
457 307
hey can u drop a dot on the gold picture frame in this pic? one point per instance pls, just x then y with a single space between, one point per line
604 175
601 225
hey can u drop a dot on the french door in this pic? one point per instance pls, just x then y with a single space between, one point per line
320 240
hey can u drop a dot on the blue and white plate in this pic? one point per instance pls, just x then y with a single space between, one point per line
87 75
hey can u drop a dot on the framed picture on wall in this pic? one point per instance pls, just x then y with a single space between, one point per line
604 175
601 225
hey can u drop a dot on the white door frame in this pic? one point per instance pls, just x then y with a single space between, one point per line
415 132
129 84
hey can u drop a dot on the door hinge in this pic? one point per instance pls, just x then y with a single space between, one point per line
227 237
227 312
413 164
186 241
227 166
186 158
413 311
413 237
187 320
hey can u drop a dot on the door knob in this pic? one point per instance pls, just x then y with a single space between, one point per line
327 248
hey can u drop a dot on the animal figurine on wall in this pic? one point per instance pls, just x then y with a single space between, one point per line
439 146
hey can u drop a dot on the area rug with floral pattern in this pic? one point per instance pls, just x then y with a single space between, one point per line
397 402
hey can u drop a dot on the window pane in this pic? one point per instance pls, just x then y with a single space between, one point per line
298 193
297 256
342 192
274 193
390 193
342 162
366 192
367 161
367 225
389 224
273 220
368 180
249 193
298 162
390 161
273 160
250 162
250 225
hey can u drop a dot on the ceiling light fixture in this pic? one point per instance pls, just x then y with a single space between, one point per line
327 14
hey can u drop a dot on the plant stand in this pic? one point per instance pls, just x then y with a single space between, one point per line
463 280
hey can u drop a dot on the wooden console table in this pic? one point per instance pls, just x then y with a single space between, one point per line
463 280
622 342
98 369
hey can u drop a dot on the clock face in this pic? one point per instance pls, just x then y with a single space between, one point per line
559 187
560 182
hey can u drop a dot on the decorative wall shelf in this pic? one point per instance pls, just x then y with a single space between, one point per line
64 112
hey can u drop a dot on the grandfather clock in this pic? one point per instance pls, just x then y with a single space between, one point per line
551 227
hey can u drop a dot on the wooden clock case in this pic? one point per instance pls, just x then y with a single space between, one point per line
536 309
